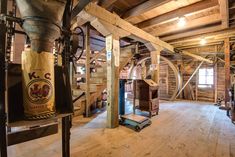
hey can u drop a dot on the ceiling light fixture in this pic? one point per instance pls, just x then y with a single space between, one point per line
181 21
203 41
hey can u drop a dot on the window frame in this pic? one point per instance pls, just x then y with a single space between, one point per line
206 84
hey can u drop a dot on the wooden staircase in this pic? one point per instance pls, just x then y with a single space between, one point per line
98 78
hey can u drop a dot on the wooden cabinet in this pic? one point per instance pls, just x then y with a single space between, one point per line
146 94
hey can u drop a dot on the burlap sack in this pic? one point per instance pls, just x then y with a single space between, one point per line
38 84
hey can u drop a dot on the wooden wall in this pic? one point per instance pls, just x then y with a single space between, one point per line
167 81
192 91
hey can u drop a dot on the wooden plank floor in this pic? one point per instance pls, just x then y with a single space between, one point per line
183 129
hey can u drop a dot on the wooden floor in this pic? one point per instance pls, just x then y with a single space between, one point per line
183 129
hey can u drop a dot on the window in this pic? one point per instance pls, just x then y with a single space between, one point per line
206 77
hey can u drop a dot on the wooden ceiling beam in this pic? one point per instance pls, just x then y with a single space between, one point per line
197 43
107 3
224 12
196 7
203 21
218 34
192 33
144 7
93 12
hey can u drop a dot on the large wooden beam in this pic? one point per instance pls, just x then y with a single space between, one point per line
113 55
199 22
223 33
192 33
143 8
80 5
194 8
196 56
227 70
93 12
112 35
107 3
155 52
224 11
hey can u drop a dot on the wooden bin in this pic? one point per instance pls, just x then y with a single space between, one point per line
146 92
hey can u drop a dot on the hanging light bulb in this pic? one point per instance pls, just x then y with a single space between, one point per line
203 41
181 22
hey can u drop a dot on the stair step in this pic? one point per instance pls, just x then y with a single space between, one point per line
77 92
79 106
96 80
93 87
98 74
101 69
126 54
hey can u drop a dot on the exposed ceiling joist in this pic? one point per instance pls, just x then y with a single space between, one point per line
192 33
199 6
218 34
224 11
79 6
205 20
107 3
153 8
144 7
93 12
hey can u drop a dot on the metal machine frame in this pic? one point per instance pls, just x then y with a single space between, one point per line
7 139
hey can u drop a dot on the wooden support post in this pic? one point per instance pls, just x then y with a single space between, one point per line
227 71
155 63
155 51
143 70
113 54
112 34
87 41
180 66
197 83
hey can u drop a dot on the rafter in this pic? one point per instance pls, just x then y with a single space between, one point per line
224 11
211 19
215 35
107 3
194 8
93 12
153 8
144 7
192 33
